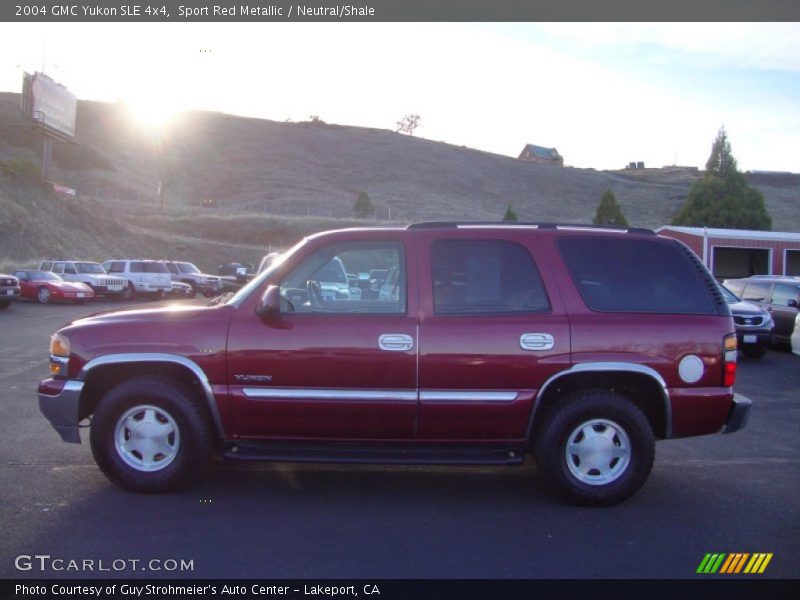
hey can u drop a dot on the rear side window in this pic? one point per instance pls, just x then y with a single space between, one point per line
633 275
485 277
783 293
136 266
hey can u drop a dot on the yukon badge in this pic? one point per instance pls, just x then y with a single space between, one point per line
253 378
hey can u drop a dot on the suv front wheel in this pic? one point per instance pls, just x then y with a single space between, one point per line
595 447
148 435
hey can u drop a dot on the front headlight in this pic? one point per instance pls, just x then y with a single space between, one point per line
59 345
768 322
59 355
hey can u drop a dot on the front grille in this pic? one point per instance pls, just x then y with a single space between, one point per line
748 320
112 281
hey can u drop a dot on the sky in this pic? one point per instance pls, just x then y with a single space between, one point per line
603 94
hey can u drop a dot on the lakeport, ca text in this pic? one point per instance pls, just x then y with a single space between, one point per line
139 591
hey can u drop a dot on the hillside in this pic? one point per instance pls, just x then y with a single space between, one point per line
257 173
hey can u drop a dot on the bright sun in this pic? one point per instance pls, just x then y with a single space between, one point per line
151 112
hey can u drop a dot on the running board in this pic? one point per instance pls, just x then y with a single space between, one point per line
386 454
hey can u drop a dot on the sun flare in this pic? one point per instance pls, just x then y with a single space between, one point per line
150 112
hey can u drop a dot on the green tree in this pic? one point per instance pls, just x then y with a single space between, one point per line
510 215
722 197
609 212
363 208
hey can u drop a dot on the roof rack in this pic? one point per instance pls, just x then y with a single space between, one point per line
538 225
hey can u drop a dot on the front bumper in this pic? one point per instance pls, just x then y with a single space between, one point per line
737 417
59 401
753 338
9 293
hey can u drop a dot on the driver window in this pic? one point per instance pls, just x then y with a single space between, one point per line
328 281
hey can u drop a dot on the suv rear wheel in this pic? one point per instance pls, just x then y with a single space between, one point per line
595 447
148 435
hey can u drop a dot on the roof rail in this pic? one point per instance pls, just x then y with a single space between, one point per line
538 225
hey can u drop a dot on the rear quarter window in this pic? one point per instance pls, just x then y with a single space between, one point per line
634 275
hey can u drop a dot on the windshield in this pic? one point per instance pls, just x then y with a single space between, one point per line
43 276
187 268
730 297
155 267
88 267
256 282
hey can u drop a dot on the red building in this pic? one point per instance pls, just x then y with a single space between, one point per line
731 253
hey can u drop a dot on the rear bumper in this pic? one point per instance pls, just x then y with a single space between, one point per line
738 415
59 401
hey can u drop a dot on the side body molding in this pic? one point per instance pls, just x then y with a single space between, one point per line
608 367
158 357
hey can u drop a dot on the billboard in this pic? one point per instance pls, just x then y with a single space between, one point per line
49 103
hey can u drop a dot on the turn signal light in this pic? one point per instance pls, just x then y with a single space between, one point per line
729 360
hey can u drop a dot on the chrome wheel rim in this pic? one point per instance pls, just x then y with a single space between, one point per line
44 295
598 452
147 438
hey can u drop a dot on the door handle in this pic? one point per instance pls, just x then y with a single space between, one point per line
536 341
395 342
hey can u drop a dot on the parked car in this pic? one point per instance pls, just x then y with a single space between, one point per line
208 285
234 275
88 272
149 277
780 295
182 290
754 325
9 290
583 345
46 286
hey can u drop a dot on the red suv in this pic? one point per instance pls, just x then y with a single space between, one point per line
582 345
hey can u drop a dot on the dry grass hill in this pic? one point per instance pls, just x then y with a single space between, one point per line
268 183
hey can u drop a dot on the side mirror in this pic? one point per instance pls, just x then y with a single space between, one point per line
792 302
270 303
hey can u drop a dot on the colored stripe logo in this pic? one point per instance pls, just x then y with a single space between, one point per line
734 563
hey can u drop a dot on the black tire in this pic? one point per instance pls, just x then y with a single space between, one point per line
193 285
189 445
4 305
754 351
623 428
160 295
42 295
129 292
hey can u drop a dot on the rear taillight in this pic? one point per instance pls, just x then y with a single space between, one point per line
729 359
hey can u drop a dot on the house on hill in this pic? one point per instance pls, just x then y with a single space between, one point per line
541 155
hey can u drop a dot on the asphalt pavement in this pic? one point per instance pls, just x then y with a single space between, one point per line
731 493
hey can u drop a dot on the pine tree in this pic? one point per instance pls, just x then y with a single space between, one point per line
510 215
363 208
722 197
609 212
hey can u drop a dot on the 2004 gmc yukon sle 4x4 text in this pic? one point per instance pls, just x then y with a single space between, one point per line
582 345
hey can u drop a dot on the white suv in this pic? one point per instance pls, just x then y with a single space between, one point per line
149 277
88 272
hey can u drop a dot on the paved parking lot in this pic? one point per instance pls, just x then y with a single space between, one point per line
735 493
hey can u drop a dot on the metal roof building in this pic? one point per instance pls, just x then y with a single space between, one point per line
731 253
